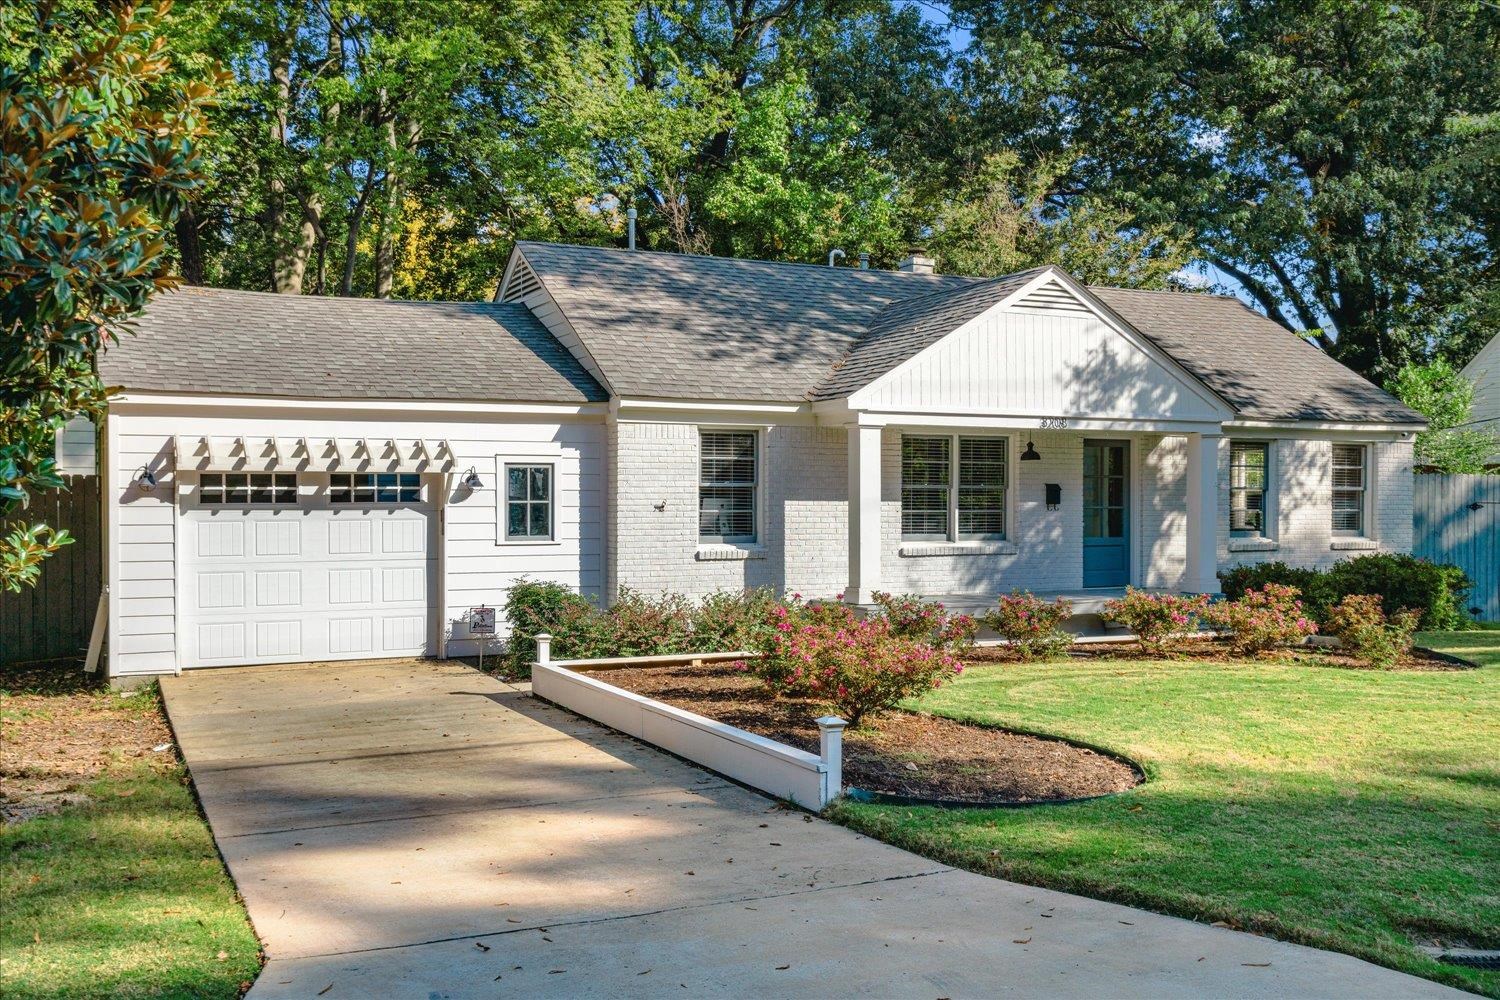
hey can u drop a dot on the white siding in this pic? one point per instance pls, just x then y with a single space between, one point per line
1484 372
1040 364
479 569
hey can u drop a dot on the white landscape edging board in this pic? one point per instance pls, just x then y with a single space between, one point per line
809 780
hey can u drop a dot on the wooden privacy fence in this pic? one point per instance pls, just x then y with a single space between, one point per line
1456 519
54 618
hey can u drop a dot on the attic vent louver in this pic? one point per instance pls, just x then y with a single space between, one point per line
1052 297
523 281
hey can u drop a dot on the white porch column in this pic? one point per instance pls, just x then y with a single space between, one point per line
1202 514
864 514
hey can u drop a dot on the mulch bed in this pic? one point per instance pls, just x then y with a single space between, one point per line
900 753
60 729
1216 651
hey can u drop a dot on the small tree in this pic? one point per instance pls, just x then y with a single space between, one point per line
97 155
1445 397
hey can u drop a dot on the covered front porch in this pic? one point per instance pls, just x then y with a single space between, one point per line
963 509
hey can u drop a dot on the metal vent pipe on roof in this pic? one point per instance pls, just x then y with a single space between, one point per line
630 215
835 253
864 260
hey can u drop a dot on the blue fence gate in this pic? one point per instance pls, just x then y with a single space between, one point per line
1456 519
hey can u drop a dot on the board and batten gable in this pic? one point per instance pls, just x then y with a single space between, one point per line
146 571
1043 352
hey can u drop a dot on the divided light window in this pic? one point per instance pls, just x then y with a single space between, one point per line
528 502
247 489
1348 489
374 487
726 486
953 487
1247 487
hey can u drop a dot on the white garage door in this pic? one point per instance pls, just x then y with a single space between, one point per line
293 568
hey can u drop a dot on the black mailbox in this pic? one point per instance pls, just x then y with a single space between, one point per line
1054 496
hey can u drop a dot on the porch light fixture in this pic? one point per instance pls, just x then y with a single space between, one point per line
471 480
145 480
1030 454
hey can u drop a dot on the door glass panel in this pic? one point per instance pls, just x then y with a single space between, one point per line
1104 491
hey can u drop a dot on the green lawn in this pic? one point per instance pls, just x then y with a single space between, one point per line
124 896
1353 810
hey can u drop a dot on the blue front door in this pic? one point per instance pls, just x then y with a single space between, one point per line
1106 514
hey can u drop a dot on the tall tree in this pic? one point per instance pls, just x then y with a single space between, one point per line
99 156
1295 141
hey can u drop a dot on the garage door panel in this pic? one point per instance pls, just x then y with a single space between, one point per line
310 582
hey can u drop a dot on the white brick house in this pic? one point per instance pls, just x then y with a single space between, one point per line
295 478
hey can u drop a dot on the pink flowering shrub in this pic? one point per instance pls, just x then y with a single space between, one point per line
1261 619
913 618
1032 626
1159 621
861 666
1366 633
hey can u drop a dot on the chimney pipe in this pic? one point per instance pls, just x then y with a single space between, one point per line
917 262
630 215
835 254
864 260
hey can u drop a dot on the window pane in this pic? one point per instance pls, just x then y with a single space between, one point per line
260 488
726 511
726 490
515 524
981 512
1116 523
541 520
340 490
515 483
236 488
364 489
925 461
408 480
541 482
926 466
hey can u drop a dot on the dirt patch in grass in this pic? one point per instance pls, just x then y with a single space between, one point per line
61 729
901 753
1217 651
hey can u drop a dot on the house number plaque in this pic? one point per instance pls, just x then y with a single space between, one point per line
1054 423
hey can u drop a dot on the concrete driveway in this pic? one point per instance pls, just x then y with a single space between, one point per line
420 829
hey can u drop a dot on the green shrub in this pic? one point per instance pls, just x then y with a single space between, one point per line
733 619
644 626
1312 584
1368 634
533 607
1261 619
1032 626
1435 590
1160 621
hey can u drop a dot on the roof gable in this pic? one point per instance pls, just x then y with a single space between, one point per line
1041 346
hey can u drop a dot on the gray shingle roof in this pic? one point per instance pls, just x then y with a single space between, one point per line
903 329
1263 370
207 340
680 326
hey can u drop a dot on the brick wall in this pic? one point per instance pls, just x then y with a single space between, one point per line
803 516
803 541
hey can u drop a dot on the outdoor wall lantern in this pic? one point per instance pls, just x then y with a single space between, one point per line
145 480
1030 454
471 480
1054 496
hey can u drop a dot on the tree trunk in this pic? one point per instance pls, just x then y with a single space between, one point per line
189 245
351 237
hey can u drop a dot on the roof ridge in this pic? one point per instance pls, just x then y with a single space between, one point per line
1163 291
747 260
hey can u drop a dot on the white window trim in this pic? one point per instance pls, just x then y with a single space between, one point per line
1351 539
1265 538
724 549
953 543
502 486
